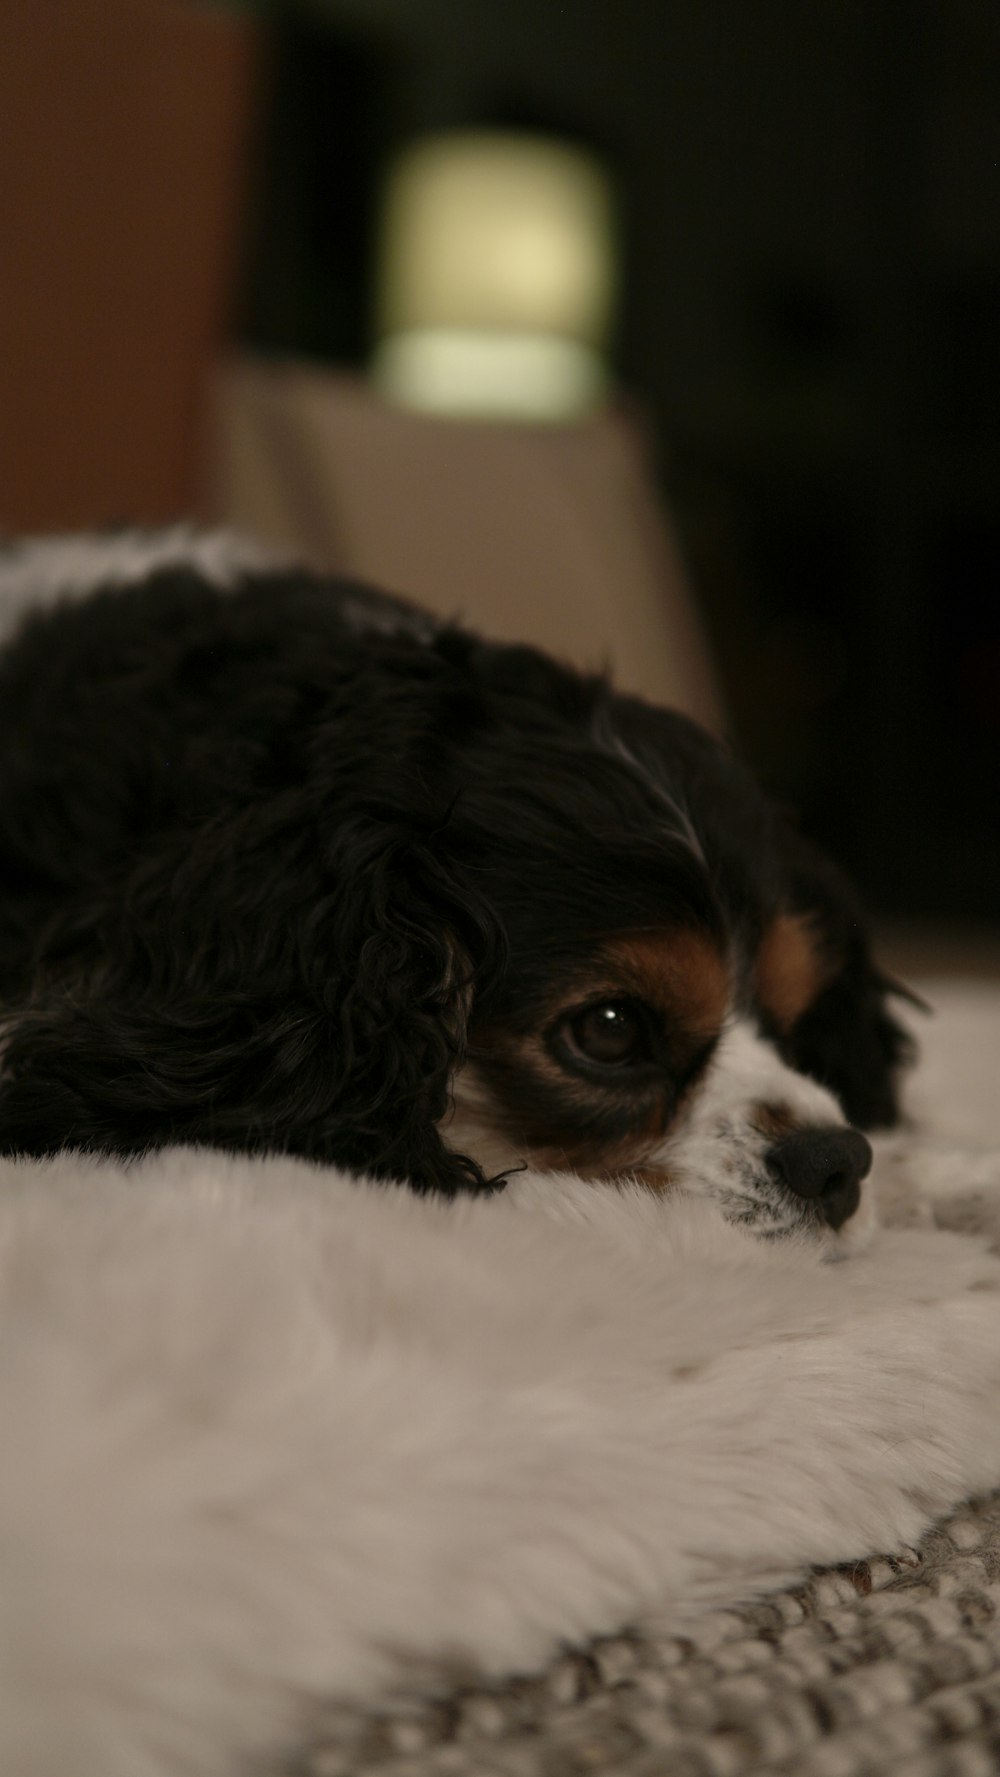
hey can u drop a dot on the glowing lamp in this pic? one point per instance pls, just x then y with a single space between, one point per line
496 279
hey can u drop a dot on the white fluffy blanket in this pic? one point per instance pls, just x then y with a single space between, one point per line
271 1435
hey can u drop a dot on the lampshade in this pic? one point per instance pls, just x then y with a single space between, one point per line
496 278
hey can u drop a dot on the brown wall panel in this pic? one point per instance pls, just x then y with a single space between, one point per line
124 129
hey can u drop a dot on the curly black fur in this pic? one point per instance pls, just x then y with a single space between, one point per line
267 857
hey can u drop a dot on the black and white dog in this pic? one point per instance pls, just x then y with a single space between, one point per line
288 866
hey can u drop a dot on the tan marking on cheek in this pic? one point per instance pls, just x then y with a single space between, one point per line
790 969
499 1114
591 1159
608 1171
682 973
623 1160
654 1178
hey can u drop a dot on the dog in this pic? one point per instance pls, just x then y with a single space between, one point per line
289 866
291 870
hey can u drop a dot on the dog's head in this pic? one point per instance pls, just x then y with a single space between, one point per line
437 908
687 994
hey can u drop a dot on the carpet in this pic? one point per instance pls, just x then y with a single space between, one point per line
891 1665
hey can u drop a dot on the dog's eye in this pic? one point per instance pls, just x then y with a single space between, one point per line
611 1034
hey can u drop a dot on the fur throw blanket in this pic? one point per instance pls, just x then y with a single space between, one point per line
273 1436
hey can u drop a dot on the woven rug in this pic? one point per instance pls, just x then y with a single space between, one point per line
891 1665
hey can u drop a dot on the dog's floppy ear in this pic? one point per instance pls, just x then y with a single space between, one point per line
828 997
260 995
416 942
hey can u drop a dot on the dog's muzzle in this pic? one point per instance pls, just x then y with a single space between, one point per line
823 1167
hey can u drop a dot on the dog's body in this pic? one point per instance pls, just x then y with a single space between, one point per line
288 866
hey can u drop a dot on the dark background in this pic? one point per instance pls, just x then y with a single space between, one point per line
810 321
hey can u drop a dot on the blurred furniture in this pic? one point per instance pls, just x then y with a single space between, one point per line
125 125
548 534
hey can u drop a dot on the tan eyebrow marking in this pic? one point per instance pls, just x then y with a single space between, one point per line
682 973
790 969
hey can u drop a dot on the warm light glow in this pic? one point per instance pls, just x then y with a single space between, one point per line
497 278
528 376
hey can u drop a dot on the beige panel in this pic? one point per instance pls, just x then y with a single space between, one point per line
549 535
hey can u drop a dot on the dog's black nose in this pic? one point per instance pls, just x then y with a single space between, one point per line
825 1167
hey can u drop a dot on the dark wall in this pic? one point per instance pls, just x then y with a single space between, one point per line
811 315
